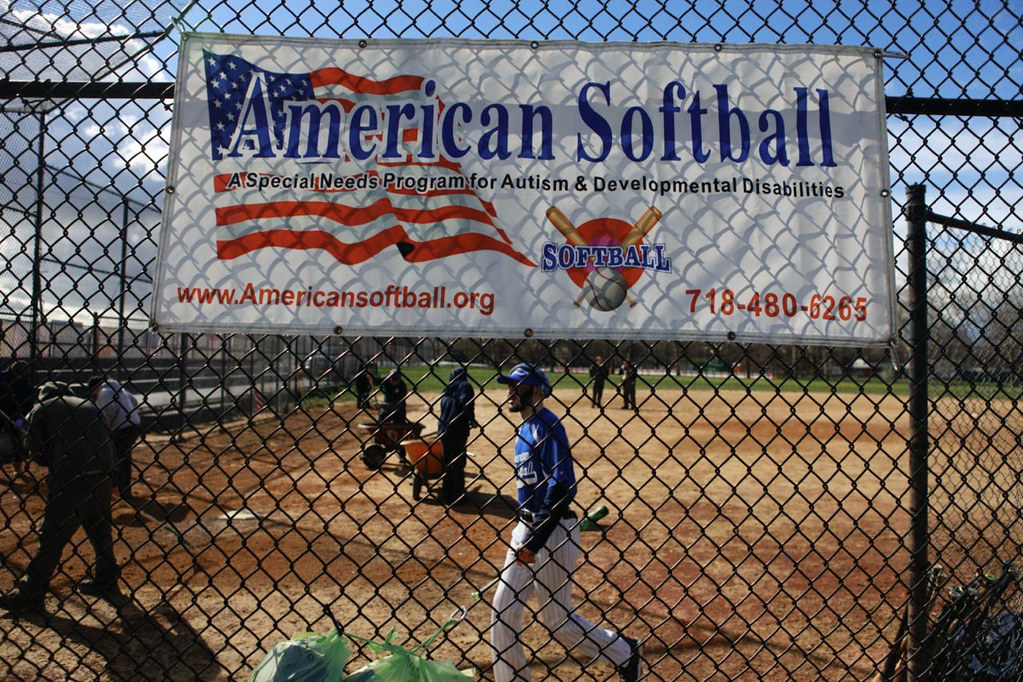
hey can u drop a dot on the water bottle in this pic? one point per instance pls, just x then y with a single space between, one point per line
590 520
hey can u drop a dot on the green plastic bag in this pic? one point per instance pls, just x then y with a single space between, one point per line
306 657
404 665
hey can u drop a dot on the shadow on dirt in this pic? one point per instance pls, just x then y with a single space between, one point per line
122 638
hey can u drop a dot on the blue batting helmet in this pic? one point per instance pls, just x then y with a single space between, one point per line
528 374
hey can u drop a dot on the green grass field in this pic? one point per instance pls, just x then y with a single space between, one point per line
432 379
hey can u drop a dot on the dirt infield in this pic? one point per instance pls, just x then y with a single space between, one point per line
747 532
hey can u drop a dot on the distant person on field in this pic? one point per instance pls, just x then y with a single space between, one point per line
121 416
629 376
363 383
457 417
598 373
394 393
67 435
16 397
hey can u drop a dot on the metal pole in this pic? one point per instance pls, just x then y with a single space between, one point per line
121 322
183 378
223 376
95 336
37 278
916 241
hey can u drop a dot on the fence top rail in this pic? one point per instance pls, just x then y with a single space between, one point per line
894 104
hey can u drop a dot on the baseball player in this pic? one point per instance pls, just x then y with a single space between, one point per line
544 547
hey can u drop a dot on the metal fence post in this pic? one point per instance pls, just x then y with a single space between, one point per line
916 248
184 376
38 315
122 280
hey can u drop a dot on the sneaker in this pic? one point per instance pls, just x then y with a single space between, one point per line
20 601
631 670
99 588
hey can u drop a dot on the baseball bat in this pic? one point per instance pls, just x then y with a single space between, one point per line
894 663
898 650
645 223
565 227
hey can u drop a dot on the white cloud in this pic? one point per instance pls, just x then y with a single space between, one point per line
148 154
81 62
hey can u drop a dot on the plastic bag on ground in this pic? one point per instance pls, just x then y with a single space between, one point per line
404 665
306 657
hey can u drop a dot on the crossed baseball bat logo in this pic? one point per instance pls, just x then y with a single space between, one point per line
572 235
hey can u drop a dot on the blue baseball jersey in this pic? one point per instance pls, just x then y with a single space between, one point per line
543 463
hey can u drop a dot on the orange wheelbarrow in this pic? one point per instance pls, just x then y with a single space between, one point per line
387 437
427 463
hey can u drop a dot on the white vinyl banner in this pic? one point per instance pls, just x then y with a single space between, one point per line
510 189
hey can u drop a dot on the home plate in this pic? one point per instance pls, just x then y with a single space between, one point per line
240 515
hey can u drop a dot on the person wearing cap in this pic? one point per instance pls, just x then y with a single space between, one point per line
544 547
457 418
16 397
67 434
395 393
121 415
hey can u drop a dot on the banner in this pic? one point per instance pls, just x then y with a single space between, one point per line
510 189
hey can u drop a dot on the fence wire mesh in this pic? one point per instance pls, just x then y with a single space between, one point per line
758 495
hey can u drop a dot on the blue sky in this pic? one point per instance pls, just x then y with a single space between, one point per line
935 35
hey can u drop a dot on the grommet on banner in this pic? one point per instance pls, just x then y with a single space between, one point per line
528 333
337 330
169 189
363 43
534 44
731 336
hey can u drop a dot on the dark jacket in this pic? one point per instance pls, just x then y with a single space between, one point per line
16 395
68 435
394 392
364 381
457 406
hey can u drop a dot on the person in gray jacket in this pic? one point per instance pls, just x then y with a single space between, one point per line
67 434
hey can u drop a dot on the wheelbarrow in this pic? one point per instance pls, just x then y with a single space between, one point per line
427 463
387 437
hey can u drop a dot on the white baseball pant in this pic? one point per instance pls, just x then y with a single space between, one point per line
550 578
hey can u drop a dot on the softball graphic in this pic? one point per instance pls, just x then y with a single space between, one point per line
604 288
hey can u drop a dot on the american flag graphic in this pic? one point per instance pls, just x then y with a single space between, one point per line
351 224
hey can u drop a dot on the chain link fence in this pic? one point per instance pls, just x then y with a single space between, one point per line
762 499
